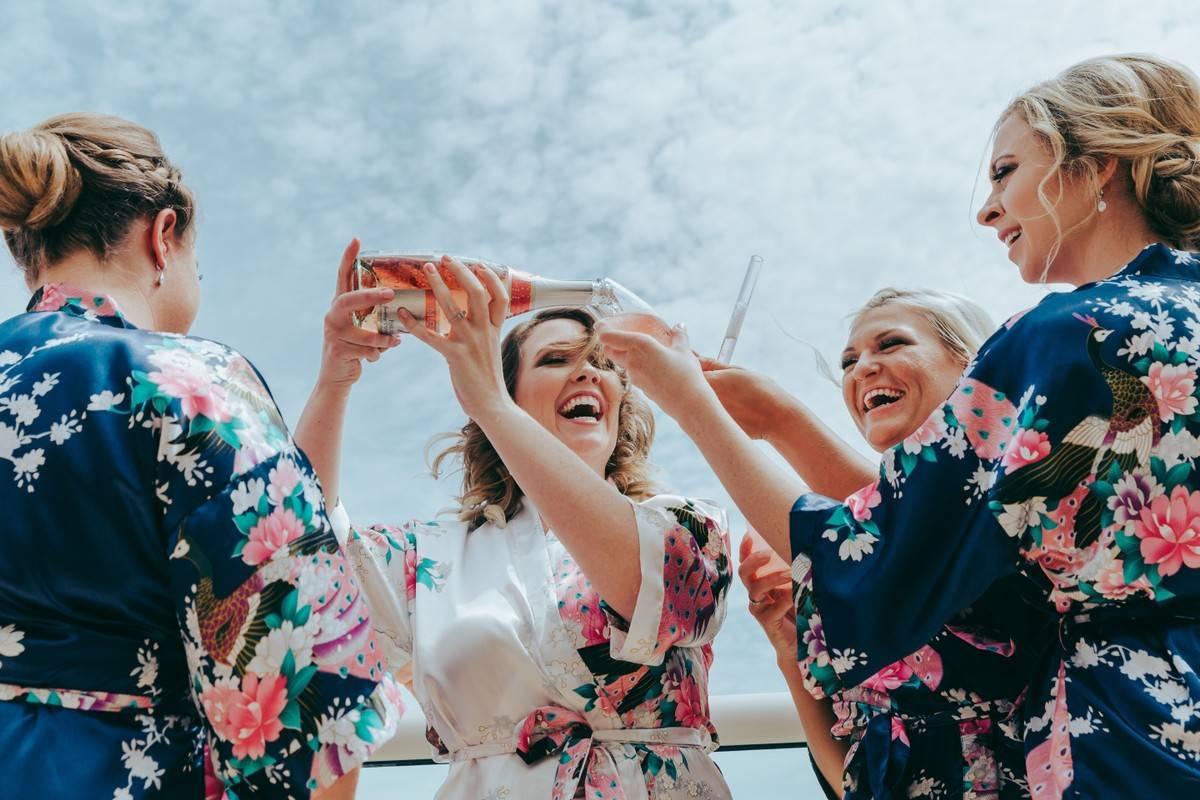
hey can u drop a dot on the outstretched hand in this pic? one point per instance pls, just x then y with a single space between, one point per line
346 345
668 374
750 397
768 581
472 346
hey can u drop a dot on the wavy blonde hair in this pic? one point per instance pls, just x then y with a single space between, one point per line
489 493
78 181
1143 111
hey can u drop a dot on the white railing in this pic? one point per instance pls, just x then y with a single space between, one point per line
744 722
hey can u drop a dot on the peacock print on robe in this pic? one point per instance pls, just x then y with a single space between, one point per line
1067 461
176 615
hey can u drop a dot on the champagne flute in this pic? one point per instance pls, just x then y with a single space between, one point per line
734 329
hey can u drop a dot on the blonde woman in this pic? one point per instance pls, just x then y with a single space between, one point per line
558 633
947 707
1067 454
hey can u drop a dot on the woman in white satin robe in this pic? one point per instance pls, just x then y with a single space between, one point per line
558 639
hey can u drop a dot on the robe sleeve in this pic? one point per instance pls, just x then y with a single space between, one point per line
389 570
284 669
955 505
686 573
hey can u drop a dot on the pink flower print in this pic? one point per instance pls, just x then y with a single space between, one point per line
190 381
861 502
283 480
1026 447
1170 531
214 787
270 536
54 297
1110 583
410 572
248 718
579 603
893 676
1172 386
689 705
899 732
931 430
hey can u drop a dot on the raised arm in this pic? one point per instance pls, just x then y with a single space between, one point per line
591 518
825 461
671 377
319 432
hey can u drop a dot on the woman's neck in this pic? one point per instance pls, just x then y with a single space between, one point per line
1107 247
112 278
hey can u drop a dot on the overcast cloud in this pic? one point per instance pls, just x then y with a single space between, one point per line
657 142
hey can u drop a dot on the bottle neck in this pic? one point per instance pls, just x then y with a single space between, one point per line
547 293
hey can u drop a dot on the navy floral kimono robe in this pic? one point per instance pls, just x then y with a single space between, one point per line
177 619
1067 456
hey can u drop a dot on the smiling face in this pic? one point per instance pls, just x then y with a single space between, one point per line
1020 162
895 371
575 399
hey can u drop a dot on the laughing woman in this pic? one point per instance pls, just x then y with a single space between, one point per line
1068 454
939 722
558 634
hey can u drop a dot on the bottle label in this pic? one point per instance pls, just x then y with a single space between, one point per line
520 296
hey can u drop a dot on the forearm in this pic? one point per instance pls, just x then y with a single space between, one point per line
817 719
588 515
824 460
319 434
762 490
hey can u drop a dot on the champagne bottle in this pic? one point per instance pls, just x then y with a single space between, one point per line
403 273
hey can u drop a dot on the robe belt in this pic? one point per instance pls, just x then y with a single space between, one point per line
78 699
555 731
882 752
88 668
1120 618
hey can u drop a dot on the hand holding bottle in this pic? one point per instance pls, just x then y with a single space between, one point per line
471 347
768 581
346 345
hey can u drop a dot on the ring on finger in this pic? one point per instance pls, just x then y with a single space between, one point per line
757 602
459 316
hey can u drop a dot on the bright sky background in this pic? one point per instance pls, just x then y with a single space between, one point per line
657 142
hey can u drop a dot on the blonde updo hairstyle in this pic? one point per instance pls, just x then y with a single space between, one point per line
489 492
1141 110
961 324
78 182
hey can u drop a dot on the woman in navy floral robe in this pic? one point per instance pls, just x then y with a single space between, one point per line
941 721
1067 455
177 619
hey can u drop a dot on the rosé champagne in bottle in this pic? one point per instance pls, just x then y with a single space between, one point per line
403 273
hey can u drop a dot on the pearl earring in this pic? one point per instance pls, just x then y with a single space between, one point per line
1101 206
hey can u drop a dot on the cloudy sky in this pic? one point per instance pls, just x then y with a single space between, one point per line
658 142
